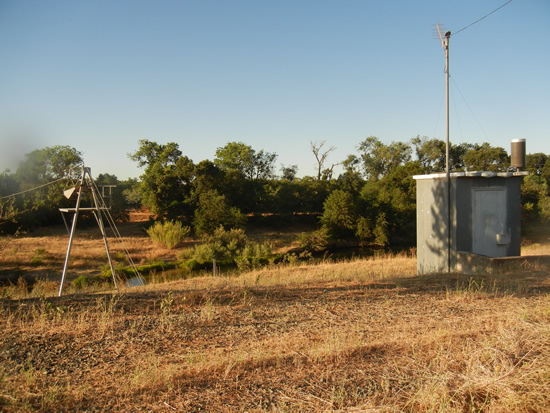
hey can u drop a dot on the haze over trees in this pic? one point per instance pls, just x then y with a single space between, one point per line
43 169
372 201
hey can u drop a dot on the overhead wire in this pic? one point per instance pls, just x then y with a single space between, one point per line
457 118
454 34
15 235
68 174
439 114
32 189
116 232
469 108
478 20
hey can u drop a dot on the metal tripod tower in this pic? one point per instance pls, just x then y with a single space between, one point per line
86 184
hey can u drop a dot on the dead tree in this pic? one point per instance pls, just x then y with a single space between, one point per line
320 156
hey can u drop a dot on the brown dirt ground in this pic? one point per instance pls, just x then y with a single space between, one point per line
343 346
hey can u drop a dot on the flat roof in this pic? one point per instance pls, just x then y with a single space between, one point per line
483 174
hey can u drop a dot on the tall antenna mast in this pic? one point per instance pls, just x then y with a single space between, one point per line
445 43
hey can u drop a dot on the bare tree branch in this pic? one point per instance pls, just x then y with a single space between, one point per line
320 156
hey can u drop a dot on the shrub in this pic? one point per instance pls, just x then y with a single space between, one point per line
381 230
213 211
171 234
364 230
222 245
314 242
228 248
199 253
339 216
253 255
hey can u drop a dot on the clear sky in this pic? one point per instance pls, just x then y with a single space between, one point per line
275 74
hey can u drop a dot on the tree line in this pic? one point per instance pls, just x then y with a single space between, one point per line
373 201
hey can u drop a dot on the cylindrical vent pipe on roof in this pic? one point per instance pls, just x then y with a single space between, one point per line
517 157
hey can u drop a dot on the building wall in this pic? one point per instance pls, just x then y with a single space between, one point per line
483 204
431 222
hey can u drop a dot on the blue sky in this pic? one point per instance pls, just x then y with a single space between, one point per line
101 75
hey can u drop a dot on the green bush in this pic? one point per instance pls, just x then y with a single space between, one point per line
381 235
213 211
222 245
339 216
192 265
253 255
228 248
199 253
315 241
171 234
364 230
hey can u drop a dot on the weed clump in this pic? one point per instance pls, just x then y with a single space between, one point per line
39 256
171 234
81 282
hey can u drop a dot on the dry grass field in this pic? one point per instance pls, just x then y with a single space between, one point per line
356 335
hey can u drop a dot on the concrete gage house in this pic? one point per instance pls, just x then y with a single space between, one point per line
479 217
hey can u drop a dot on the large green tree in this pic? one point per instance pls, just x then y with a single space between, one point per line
351 180
289 172
535 198
166 182
112 192
538 164
380 159
456 154
430 153
246 171
8 205
42 174
207 176
486 158
213 212
48 164
237 156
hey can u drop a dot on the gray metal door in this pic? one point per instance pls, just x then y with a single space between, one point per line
489 219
